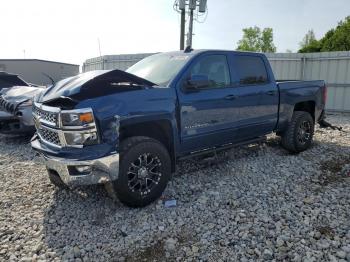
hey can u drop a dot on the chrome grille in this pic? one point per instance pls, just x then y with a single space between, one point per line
49 136
49 117
49 127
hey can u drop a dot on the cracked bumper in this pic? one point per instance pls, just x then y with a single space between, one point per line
101 164
99 171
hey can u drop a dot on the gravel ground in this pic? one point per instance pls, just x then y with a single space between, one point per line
258 203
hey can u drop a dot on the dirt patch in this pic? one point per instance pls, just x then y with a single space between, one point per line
334 170
326 231
155 252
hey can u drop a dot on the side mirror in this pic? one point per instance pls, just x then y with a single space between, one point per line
197 82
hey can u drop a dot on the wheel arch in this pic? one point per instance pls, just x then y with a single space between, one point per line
160 130
306 106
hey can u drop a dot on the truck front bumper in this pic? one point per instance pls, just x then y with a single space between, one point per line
99 168
79 173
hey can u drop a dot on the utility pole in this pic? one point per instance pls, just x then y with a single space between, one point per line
190 30
181 8
192 6
182 30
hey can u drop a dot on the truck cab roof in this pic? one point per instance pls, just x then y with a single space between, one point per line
193 52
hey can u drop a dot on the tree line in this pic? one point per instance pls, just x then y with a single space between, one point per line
261 40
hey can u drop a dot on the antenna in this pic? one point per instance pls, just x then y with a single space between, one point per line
49 77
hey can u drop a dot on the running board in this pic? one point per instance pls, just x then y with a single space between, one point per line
223 147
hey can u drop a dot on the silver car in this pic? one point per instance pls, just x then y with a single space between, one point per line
16 104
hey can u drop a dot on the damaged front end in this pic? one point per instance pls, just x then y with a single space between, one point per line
72 147
75 133
16 110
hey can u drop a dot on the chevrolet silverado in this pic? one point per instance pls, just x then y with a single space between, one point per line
127 130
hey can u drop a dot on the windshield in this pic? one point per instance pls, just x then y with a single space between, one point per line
160 68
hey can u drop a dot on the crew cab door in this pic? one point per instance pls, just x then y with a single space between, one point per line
257 93
208 115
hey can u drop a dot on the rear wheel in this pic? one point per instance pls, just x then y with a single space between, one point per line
299 134
144 171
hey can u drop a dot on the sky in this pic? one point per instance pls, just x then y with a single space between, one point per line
68 30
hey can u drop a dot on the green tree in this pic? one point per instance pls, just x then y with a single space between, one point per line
309 43
308 39
267 45
337 39
250 40
257 40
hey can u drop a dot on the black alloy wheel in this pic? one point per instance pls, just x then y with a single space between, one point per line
144 171
304 132
299 134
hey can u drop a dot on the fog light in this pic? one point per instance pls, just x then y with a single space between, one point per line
81 138
79 170
83 169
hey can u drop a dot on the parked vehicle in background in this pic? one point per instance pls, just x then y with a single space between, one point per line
8 80
128 129
16 104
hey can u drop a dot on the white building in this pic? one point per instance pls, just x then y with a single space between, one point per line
121 62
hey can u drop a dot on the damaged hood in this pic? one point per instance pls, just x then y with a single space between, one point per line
16 95
93 84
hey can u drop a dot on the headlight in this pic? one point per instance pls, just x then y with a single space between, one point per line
83 123
78 139
77 119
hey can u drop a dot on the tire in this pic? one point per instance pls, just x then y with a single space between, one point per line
299 134
56 180
144 171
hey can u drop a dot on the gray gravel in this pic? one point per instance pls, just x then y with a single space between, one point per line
258 203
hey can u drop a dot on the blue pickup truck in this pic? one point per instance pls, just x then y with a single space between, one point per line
127 130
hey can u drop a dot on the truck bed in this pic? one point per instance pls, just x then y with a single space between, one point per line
296 93
300 83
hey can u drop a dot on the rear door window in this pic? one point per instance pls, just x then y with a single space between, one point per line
251 70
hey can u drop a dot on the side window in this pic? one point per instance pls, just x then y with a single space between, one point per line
215 67
251 70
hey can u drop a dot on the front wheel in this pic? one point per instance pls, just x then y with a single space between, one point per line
299 134
144 171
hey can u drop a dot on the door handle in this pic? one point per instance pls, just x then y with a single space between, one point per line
271 93
231 97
